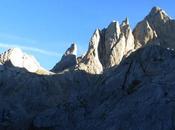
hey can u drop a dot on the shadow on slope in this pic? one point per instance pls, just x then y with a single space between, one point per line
78 100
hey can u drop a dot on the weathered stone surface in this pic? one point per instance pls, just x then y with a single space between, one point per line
16 58
144 34
68 60
90 62
136 94
160 23
129 38
116 42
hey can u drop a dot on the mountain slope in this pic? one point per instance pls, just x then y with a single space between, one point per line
125 81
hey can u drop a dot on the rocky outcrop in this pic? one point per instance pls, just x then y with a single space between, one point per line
116 42
158 26
90 62
68 60
17 58
144 34
137 94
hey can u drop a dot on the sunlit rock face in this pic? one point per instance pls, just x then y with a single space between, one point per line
68 60
17 58
116 42
90 62
156 26
121 83
144 34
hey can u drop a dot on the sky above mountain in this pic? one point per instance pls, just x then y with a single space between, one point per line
46 28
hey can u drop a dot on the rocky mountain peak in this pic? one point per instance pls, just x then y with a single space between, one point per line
68 59
72 50
144 34
116 41
156 25
158 13
135 94
17 58
125 22
113 30
90 62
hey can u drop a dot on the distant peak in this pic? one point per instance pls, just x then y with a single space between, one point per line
125 22
114 23
157 12
155 9
97 31
72 50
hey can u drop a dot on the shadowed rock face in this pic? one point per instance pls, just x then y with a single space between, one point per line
68 60
136 91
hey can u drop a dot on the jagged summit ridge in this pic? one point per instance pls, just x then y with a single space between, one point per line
109 46
161 27
90 62
15 57
136 93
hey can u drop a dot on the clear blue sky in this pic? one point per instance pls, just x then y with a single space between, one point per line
46 28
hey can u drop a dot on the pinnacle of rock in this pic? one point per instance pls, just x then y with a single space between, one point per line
90 62
158 24
101 90
72 50
116 41
157 15
68 60
125 22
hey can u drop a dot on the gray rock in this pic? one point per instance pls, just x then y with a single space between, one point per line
160 23
15 57
116 42
136 93
68 60
90 62
144 34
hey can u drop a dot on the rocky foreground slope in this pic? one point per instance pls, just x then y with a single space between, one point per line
125 81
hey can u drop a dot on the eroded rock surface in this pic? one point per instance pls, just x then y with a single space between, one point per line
15 57
68 60
136 93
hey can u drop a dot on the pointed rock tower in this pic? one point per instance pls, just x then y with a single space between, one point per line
158 27
15 57
90 62
68 60
116 42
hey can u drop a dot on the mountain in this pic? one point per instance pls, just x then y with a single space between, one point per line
124 81
15 57
68 60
